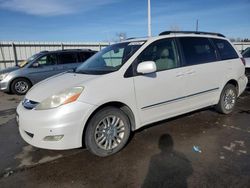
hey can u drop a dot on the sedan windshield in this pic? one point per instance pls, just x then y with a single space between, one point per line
24 63
246 53
109 59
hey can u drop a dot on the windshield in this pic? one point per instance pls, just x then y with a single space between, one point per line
109 59
23 63
246 53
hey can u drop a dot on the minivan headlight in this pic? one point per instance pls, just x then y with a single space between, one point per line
65 97
2 76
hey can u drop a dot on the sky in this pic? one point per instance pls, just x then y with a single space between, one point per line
101 20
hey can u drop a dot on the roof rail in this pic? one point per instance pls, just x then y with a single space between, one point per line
44 51
76 49
191 32
131 38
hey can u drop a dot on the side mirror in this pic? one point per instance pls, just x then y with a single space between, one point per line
35 65
146 67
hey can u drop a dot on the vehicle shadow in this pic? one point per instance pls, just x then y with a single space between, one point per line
169 168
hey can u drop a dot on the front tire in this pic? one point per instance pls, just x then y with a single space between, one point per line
228 99
20 86
107 132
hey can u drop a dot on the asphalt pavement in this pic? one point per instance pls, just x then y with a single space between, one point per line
199 149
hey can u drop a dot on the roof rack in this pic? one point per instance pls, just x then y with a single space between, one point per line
44 51
76 49
191 32
131 38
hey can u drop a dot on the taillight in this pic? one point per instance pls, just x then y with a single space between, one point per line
243 61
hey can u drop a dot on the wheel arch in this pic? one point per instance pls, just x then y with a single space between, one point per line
234 83
125 108
21 77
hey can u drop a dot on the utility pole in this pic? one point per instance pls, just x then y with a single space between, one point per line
197 25
149 19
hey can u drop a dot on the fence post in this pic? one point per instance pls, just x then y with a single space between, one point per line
100 47
3 56
14 53
62 46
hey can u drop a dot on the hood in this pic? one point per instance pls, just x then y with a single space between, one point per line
57 84
7 70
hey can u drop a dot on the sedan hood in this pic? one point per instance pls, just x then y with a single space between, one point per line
56 84
8 70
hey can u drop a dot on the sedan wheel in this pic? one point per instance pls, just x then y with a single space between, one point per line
20 86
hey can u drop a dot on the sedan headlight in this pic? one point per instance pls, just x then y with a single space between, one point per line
65 97
2 76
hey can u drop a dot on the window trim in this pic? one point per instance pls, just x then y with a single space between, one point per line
43 55
184 58
131 70
218 52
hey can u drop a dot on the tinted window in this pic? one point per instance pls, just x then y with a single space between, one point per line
83 56
197 50
47 60
65 58
246 53
225 49
162 52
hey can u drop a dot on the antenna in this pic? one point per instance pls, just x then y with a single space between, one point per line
197 25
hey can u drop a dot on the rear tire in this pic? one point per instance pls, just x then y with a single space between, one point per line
20 86
107 132
228 99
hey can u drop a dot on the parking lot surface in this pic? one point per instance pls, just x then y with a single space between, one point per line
199 149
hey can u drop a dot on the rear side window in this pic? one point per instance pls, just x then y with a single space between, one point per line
225 49
83 56
66 58
197 50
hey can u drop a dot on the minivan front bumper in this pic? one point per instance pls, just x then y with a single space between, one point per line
58 128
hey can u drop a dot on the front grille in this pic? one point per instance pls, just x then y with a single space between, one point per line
29 134
28 104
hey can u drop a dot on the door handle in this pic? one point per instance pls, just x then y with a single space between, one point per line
180 74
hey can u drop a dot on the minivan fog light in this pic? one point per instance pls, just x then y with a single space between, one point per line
53 138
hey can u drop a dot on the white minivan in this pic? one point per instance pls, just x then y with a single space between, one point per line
129 85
